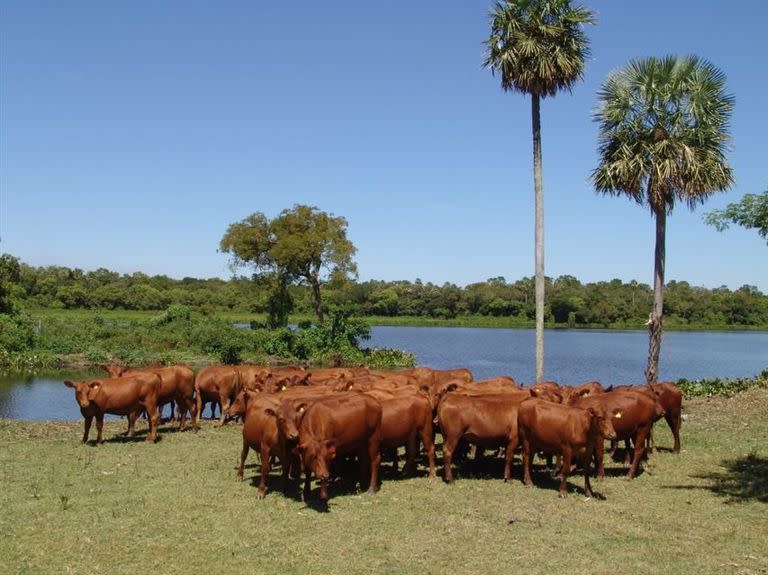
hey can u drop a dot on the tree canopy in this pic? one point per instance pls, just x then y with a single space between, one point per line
750 212
301 244
662 139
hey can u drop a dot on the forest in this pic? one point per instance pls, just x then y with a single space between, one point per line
496 301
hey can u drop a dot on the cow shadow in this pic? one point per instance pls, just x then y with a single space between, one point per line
743 480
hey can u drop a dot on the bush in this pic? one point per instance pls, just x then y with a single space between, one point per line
721 387
17 332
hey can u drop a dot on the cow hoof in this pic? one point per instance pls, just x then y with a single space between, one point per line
563 494
260 494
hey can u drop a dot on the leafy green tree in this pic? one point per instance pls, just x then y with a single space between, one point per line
750 212
10 276
538 47
662 139
299 244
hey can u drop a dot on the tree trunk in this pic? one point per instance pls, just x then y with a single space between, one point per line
657 314
315 285
539 235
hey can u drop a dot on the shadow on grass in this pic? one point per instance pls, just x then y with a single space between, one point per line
744 479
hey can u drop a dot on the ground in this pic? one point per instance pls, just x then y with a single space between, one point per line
174 507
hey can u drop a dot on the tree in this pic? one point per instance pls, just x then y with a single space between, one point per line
538 47
749 212
662 138
298 245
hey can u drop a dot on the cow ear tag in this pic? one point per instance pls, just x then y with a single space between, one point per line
617 415
301 409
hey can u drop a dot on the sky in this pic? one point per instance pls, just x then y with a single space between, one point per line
133 133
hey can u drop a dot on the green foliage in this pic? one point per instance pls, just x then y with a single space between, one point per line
538 46
295 246
17 332
663 132
750 212
721 387
175 312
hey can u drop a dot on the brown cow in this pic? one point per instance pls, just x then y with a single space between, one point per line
406 417
119 396
270 426
485 420
178 385
638 412
219 383
340 424
558 429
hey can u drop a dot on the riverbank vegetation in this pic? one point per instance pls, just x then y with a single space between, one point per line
130 507
495 302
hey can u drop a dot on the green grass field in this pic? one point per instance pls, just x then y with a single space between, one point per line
174 507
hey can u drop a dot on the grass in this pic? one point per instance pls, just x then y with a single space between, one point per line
174 507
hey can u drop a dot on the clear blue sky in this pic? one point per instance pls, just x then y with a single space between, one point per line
133 133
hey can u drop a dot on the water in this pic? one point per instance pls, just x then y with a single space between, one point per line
571 357
574 356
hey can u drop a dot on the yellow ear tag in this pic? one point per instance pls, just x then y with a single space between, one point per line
282 387
301 409
617 415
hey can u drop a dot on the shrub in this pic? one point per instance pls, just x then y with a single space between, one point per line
17 332
721 387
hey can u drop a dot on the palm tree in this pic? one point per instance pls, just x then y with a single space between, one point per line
663 135
538 47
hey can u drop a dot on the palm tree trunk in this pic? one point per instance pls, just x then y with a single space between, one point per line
539 235
657 314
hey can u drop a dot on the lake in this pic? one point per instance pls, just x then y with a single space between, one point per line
571 357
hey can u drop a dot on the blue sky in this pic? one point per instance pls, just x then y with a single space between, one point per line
133 133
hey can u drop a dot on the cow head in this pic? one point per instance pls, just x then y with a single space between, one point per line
288 416
239 405
85 391
316 455
601 425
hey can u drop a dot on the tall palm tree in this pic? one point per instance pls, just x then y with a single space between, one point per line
538 47
662 140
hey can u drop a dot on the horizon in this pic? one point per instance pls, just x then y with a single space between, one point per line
135 156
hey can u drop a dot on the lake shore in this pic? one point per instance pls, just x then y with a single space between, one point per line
128 507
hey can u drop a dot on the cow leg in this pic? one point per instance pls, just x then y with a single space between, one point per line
374 457
199 404
587 461
565 469
651 445
154 421
627 450
307 483
132 417
266 467
639 449
429 445
673 420
243 457
599 458
87 427
449 446
508 455
224 408
410 454
527 457
100 428
193 413
181 411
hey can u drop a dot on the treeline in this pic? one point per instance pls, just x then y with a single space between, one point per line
569 302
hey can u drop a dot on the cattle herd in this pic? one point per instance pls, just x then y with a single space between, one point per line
313 421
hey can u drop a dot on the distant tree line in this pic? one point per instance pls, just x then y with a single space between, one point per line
569 302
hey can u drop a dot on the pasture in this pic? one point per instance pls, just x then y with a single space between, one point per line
174 507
